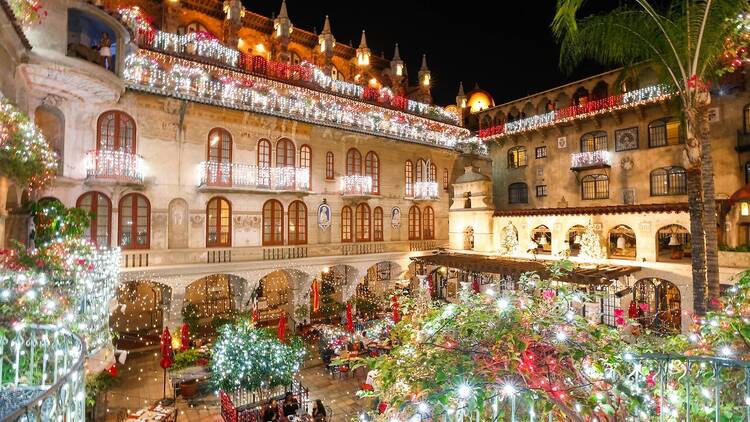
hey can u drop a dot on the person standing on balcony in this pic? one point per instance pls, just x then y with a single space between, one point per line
105 50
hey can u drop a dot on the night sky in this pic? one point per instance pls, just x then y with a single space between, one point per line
507 47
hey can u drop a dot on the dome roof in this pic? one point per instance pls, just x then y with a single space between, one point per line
471 176
479 99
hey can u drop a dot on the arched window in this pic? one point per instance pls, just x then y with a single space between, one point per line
134 222
668 181
415 223
622 242
433 173
408 179
353 163
285 153
542 236
595 186
445 179
273 223
420 171
377 224
100 229
115 132
329 165
264 153
362 223
346 224
220 155
594 141
305 162
746 118
517 157
297 225
665 132
599 91
429 223
218 222
518 193
372 169
51 122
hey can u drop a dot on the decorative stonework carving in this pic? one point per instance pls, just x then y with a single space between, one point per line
246 222
627 163
197 220
52 100
159 219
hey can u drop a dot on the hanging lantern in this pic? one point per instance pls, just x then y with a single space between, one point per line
674 240
542 239
577 239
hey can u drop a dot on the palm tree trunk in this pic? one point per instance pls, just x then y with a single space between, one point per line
700 282
709 206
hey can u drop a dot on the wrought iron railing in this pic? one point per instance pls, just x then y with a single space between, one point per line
356 185
592 159
114 164
254 177
425 190
42 374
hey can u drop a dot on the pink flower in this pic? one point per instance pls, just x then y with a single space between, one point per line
548 295
619 321
619 312
650 379
643 306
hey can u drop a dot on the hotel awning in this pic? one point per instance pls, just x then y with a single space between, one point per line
588 274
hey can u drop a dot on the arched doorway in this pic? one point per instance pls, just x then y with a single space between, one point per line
373 289
657 305
469 238
574 239
139 316
331 286
542 236
673 243
272 297
210 301
622 242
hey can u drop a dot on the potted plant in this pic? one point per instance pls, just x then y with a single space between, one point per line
184 360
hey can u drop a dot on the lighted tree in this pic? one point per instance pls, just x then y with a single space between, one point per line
252 359
508 240
591 247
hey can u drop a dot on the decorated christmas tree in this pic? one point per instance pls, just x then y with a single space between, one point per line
591 248
508 240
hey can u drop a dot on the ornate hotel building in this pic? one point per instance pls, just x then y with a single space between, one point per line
591 153
233 158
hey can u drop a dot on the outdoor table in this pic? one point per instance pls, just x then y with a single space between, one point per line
154 413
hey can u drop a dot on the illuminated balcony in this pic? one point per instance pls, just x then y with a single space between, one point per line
425 191
590 160
116 165
236 176
355 185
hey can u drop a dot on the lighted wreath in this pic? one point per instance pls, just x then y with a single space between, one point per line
248 358
25 155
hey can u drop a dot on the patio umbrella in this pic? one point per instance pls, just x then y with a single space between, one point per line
475 284
394 305
282 326
349 321
184 337
166 354
315 296
255 314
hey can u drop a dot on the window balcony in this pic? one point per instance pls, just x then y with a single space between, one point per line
249 177
425 191
356 185
590 160
117 165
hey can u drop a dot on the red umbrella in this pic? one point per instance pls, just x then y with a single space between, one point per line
394 305
166 349
315 296
184 337
282 326
431 285
255 314
349 321
475 284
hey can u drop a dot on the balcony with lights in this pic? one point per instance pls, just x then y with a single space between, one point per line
425 191
356 186
218 177
111 166
580 161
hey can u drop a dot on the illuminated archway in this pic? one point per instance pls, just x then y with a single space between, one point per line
673 243
657 305
621 242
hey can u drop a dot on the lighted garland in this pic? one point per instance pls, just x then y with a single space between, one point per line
27 12
250 359
25 156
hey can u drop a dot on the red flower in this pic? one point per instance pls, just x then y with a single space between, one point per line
650 379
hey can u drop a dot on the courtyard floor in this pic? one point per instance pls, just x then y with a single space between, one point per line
141 384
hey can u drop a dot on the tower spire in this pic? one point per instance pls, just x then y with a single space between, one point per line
282 12
461 89
424 63
363 41
396 56
326 26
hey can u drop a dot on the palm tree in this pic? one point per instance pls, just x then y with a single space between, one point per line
686 39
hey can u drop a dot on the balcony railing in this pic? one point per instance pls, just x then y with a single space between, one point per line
590 160
356 185
253 177
425 190
43 377
114 165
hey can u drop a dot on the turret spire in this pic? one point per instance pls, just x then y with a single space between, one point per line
326 26
363 41
424 63
282 12
461 89
396 56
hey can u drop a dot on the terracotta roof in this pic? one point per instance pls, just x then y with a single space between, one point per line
610 209
743 194
12 17
597 275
